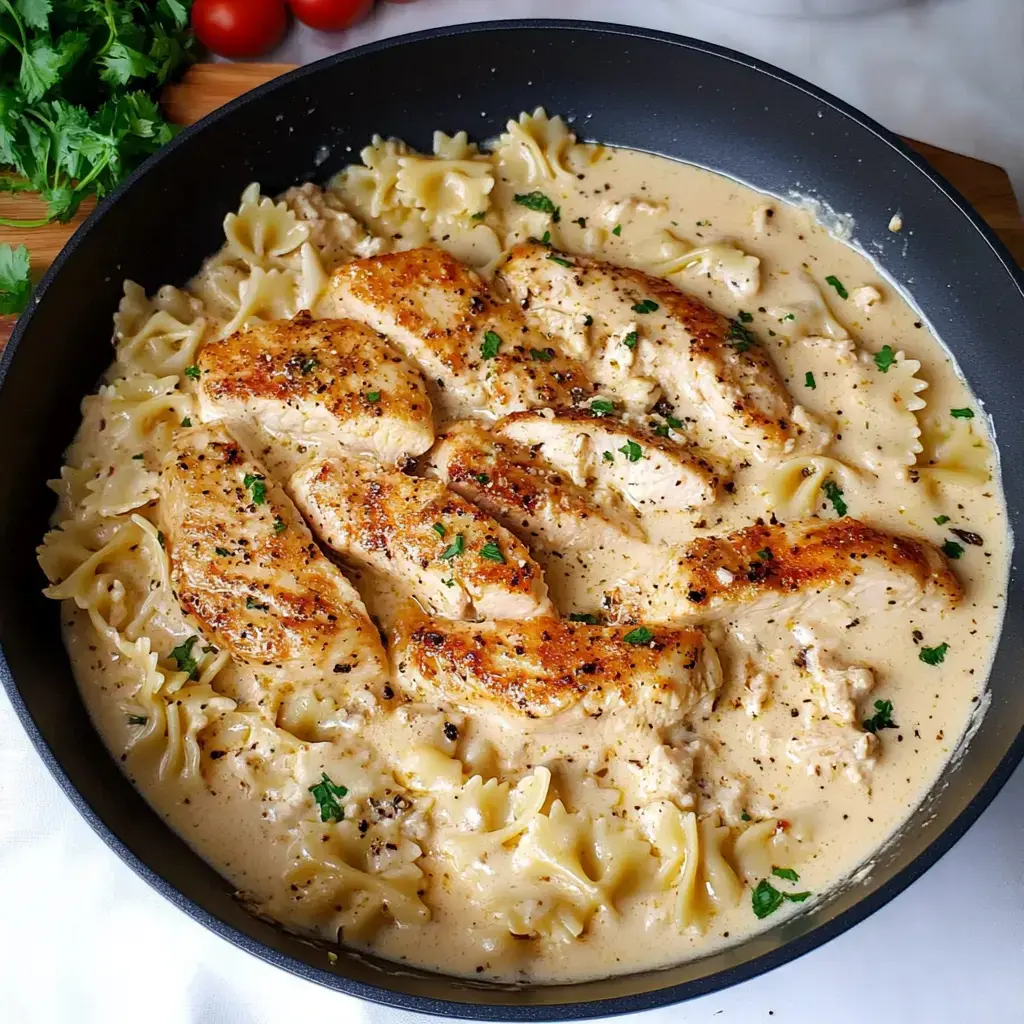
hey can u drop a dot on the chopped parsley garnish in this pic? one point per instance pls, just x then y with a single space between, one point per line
645 306
182 655
602 407
934 655
540 203
223 552
450 582
439 529
740 337
745 817
766 899
327 795
280 525
885 358
661 429
588 321
632 451
673 422
617 230
639 636
952 550
492 342
834 494
257 486
135 458
373 396
881 719
630 340
838 285
453 549
545 239
582 221
192 371
607 456
309 366
559 260
587 617
942 520
787 873
809 381
545 355
187 421
765 554
137 719
483 479
479 215
788 316
251 603
492 553
745 317
962 414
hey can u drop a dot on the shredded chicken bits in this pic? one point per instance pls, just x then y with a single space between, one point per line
530 608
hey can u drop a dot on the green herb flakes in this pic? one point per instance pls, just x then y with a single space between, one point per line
280 525
192 372
962 414
602 407
765 554
933 655
617 230
253 605
834 494
561 261
809 381
182 655
881 719
838 285
187 422
327 794
454 549
632 451
539 203
787 873
585 617
492 553
885 358
492 342
645 306
745 317
607 456
373 397
439 529
544 355
740 337
942 520
630 340
257 486
765 899
639 637
952 550
223 552
309 365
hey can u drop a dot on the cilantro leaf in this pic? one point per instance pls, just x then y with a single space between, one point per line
885 358
561 261
933 655
455 548
544 355
492 553
953 550
492 342
765 899
182 655
809 381
645 306
15 286
835 495
942 520
881 719
327 794
121 64
838 285
602 407
256 485
632 451
630 340
439 529
962 414
740 337
639 637
787 873
585 617
540 203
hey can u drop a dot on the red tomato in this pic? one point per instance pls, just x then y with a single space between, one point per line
330 15
239 28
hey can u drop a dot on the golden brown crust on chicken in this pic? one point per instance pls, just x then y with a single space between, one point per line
332 382
538 503
543 667
693 352
776 566
245 566
440 313
452 556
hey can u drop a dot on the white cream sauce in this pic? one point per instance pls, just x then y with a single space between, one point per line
752 756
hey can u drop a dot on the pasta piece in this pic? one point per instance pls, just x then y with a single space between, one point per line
262 231
952 455
721 262
333 231
795 486
536 148
674 837
762 846
444 191
724 888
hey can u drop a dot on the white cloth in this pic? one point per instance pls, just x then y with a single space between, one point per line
83 939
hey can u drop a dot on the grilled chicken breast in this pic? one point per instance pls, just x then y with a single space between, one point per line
245 566
650 471
333 383
545 667
538 503
451 556
630 324
478 354
781 568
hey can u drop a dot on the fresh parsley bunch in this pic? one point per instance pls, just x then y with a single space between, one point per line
78 80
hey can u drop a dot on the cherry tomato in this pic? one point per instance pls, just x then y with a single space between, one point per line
239 28
330 15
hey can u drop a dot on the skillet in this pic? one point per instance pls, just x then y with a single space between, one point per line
625 86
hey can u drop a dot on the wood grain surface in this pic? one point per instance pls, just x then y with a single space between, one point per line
205 87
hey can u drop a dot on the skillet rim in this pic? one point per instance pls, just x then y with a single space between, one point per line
784 953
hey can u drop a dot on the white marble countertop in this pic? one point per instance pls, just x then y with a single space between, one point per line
83 939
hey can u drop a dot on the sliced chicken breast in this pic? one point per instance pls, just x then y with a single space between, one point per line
477 353
451 556
333 383
538 503
776 568
244 565
650 471
545 667
628 324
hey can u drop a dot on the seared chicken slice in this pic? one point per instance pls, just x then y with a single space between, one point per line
245 566
539 504
544 667
477 353
456 559
334 383
782 568
650 471
643 326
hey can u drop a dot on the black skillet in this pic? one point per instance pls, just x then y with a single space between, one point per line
625 86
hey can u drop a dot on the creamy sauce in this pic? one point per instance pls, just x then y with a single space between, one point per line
750 758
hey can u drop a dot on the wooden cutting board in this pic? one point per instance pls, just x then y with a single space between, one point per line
207 86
